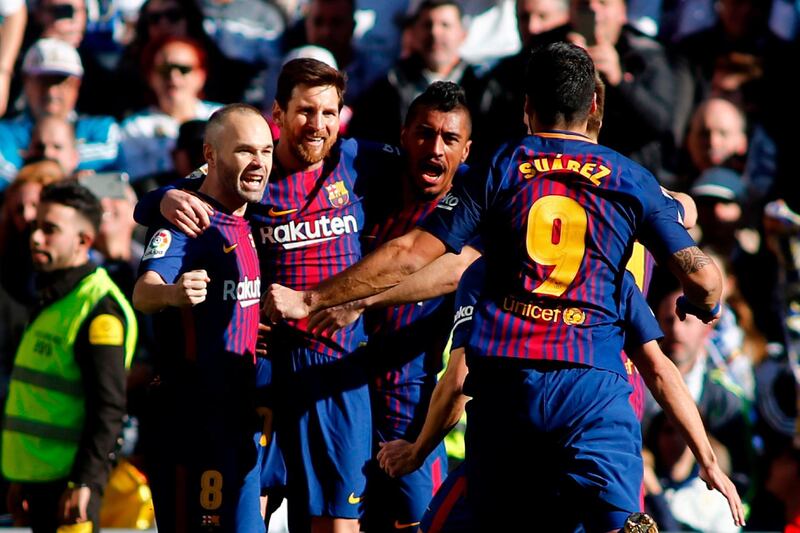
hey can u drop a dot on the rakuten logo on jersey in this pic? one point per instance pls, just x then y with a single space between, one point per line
247 292
299 234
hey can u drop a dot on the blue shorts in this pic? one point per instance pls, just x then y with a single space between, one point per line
566 434
204 471
270 458
448 511
325 429
397 504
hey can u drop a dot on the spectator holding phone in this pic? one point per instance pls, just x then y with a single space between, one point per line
640 86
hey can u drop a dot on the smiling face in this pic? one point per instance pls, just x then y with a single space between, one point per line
309 126
436 143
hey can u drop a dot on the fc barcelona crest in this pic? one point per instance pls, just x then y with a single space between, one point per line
338 195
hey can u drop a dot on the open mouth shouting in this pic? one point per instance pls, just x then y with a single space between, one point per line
431 171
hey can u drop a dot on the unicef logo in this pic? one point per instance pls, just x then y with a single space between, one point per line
573 316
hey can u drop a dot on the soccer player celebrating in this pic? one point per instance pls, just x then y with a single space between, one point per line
306 229
558 215
202 473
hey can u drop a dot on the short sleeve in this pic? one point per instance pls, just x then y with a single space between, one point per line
469 290
166 253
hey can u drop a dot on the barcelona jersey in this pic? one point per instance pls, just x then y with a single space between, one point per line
308 225
558 215
406 341
227 321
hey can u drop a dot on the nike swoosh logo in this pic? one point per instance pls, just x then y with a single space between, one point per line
229 249
398 525
273 213
353 499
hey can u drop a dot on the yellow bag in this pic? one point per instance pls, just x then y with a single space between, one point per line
128 501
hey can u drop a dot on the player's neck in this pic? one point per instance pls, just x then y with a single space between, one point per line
581 128
231 202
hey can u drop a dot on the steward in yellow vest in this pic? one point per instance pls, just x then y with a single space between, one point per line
66 398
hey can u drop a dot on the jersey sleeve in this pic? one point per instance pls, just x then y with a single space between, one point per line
456 219
167 252
641 325
469 289
148 209
662 230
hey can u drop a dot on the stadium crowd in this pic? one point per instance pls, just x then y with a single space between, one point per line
117 95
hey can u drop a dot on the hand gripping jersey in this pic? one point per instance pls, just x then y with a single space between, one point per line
559 216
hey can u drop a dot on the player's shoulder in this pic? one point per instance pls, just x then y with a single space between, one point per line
363 148
162 239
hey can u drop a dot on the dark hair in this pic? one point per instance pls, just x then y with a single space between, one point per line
72 194
560 83
433 4
311 73
442 96
218 117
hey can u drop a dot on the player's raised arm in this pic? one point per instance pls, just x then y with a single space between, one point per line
668 388
384 268
152 294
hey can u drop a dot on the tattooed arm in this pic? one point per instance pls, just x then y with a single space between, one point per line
699 276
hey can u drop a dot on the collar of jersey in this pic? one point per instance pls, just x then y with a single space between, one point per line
561 134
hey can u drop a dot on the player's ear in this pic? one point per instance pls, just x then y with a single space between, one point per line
277 114
593 109
208 154
465 153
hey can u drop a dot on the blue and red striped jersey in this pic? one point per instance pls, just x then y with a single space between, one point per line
558 215
308 224
227 321
405 341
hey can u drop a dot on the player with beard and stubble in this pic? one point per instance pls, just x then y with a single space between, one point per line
203 472
306 229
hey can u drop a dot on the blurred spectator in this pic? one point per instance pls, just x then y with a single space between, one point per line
719 194
501 110
160 19
675 477
723 410
187 155
490 31
16 218
175 68
438 33
13 16
62 19
777 506
640 86
251 32
54 138
115 241
330 25
741 29
52 71
717 136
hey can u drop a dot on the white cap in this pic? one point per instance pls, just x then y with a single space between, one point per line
52 56
310 51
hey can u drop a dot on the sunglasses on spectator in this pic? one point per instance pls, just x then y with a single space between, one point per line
166 69
61 11
172 15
